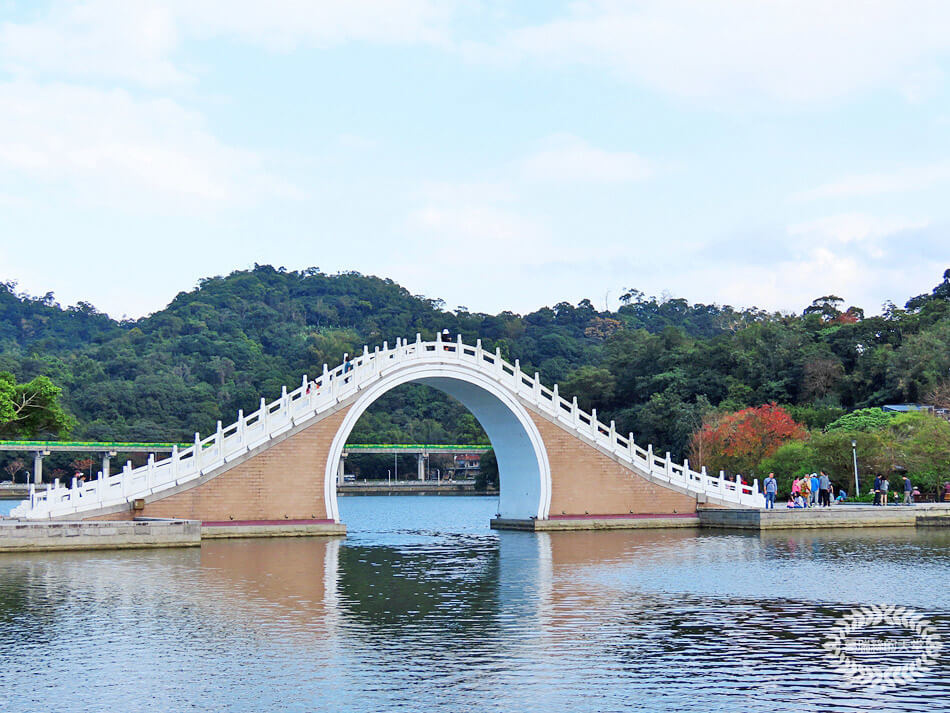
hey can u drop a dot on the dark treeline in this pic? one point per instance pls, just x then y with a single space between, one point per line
657 366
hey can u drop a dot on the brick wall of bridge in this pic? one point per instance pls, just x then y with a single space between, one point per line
584 481
284 482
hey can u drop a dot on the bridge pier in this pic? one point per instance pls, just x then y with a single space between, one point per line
341 468
421 466
38 466
107 463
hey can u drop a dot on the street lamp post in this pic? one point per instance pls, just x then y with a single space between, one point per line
854 453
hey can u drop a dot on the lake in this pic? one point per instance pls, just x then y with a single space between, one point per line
423 607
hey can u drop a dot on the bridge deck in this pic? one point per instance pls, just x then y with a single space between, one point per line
414 448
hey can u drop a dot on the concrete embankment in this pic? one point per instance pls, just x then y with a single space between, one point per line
598 522
14 492
21 536
411 488
837 516
271 528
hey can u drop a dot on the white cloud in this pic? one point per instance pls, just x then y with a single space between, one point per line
112 39
284 24
114 148
863 258
569 159
136 41
799 51
476 221
904 180
467 234
853 228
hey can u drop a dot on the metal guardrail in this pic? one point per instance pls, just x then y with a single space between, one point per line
90 446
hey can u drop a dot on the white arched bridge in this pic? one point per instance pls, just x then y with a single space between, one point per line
557 463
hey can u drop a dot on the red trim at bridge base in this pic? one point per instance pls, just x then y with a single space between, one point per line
239 523
623 516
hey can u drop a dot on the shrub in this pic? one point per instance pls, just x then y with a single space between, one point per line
792 460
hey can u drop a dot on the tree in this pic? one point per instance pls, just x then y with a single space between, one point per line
791 460
828 308
31 409
593 386
83 464
13 467
820 377
939 396
487 472
865 419
921 446
833 451
737 442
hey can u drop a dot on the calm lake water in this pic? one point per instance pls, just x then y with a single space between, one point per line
424 608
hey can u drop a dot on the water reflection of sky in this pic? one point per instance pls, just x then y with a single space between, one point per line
424 608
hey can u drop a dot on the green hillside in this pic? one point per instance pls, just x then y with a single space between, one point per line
656 366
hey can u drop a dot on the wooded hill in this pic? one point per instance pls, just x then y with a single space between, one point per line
657 366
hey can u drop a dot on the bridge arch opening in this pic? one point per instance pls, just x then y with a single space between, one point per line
523 468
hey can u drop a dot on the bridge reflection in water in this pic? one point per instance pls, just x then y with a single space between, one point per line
446 617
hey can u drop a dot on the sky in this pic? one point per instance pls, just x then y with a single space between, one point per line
496 155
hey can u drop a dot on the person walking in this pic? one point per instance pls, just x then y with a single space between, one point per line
796 487
771 490
877 490
814 485
885 487
824 490
908 492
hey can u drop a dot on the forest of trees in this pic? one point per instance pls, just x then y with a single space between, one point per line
660 367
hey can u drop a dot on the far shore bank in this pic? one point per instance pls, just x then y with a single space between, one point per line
412 487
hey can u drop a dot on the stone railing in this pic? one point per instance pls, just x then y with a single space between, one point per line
317 396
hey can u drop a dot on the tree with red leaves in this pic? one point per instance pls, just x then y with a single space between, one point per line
736 442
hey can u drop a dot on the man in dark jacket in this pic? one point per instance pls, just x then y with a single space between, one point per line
824 490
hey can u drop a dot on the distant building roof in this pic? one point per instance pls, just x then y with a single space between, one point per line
906 407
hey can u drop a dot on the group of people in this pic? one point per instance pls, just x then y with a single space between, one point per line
882 489
815 490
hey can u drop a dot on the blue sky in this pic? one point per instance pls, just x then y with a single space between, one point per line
496 155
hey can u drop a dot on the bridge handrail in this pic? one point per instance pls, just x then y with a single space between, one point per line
314 396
